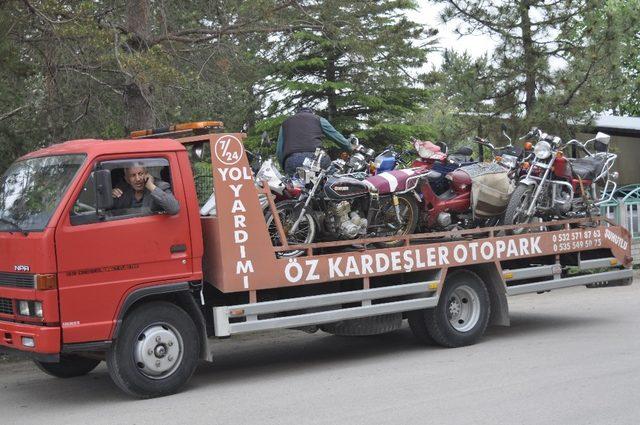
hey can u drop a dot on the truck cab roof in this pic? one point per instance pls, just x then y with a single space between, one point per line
96 147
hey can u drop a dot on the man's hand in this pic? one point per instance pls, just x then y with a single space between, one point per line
149 182
116 193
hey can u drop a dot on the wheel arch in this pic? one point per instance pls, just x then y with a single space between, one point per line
181 294
490 274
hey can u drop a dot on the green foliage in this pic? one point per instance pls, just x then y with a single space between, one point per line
400 135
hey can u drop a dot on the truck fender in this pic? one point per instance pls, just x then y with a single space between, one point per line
180 294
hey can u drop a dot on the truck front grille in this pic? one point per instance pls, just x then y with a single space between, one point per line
18 280
6 306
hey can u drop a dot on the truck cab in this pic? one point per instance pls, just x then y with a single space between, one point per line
69 263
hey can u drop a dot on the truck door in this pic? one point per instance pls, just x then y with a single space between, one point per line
103 255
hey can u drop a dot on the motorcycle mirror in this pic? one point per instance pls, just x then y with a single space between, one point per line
504 128
603 138
198 150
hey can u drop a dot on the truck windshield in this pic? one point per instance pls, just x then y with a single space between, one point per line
30 191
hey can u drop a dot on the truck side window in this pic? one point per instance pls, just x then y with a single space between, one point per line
200 158
130 181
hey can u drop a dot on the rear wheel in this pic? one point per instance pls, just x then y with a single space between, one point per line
305 233
461 316
69 366
156 352
408 207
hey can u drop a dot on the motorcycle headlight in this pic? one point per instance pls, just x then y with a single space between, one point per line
542 150
509 161
357 162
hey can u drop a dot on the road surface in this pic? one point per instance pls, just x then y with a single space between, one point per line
570 357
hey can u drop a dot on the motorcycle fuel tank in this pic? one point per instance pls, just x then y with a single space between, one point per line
344 187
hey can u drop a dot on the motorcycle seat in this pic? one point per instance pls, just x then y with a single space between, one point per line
587 168
464 151
394 181
433 176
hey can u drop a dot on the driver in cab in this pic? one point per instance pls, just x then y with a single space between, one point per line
143 190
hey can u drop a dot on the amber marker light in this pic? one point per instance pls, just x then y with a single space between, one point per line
528 146
46 281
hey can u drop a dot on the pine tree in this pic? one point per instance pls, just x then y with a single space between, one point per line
358 68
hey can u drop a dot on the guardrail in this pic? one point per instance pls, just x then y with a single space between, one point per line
624 209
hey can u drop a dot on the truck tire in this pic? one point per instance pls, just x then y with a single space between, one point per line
70 366
365 326
461 316
156 351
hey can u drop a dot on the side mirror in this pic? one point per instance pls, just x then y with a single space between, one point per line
503 127
603 138
104 199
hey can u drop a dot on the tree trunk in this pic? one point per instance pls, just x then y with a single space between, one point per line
53 105
332 107
138 94
529 56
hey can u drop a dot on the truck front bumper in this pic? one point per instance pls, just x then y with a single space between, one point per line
17 338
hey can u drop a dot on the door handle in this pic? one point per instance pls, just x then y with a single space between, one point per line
178 248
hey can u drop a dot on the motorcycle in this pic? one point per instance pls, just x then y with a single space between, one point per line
336 206
559 187
436 156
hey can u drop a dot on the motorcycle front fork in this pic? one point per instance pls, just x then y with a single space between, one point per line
294 228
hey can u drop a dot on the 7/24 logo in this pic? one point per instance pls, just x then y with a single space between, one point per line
228 150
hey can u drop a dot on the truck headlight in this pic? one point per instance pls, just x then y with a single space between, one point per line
23 308
30 308
542 150
37 309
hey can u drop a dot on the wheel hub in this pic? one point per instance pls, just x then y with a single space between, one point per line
463 310
158 352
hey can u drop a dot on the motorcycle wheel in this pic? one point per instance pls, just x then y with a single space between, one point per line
305 233
408 213
517 207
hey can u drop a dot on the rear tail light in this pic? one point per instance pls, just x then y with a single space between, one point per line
46 281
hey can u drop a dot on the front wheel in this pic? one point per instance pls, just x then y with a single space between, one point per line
69 366
516 212
461 316
156 352
287 212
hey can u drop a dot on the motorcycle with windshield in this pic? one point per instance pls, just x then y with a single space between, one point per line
336 206
556 186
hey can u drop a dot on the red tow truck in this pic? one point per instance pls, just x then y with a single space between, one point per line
149 293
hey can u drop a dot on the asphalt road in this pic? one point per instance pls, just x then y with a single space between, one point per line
570 357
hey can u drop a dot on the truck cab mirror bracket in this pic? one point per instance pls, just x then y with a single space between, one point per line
104 199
